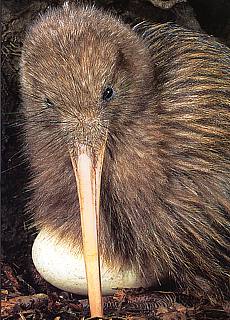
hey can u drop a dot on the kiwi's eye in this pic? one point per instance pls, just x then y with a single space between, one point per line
48 103
108 94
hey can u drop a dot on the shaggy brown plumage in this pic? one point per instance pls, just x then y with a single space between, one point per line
166 173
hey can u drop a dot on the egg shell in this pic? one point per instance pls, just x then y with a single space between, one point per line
63 266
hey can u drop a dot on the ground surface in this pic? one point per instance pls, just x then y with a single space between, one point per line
24 294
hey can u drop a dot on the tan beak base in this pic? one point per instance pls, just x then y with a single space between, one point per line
87 168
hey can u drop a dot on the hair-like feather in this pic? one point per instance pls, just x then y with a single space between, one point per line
166 173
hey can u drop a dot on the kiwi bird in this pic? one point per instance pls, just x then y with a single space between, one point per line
127 133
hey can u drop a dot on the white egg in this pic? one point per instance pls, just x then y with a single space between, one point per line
64 268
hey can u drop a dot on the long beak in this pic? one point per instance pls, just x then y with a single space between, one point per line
87 167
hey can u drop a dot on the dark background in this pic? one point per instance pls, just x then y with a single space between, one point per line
211 16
